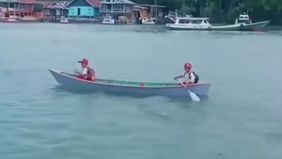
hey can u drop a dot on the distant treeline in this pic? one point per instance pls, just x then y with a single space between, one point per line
225 10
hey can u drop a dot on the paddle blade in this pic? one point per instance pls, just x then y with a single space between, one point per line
193 96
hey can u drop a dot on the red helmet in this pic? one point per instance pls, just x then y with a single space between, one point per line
188 66
84 61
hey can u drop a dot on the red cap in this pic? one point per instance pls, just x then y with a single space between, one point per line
83 61
188 66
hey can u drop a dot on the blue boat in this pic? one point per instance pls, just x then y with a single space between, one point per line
144 89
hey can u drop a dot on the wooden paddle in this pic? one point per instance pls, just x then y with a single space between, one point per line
192 95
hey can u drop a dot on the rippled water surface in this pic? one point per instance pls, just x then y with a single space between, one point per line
241 119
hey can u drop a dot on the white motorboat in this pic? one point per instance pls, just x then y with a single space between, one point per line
64 20
108 20
194 23
150 21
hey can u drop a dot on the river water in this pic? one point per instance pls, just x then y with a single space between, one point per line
240 119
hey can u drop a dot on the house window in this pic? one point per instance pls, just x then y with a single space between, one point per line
58 12
12 5
118 7
105 7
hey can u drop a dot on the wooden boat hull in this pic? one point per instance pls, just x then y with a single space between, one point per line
254 26
128 88
234 27
9 20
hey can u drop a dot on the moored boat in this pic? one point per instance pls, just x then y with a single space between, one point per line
108 20
193 23
150 21
247 24
64 20
70 81
10 19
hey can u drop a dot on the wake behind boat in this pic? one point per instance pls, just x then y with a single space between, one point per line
70 81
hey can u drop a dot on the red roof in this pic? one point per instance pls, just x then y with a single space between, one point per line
27 1
94 3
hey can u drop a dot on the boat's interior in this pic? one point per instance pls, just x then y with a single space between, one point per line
130 83
136 84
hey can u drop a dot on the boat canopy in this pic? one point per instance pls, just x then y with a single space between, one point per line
244 17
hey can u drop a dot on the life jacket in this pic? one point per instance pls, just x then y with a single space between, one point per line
196 76
90 71
91 75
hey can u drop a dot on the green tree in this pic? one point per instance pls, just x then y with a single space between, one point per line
225 10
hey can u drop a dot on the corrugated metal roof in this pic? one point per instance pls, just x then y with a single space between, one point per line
117 2
95 3
27 1
20 1
58 5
